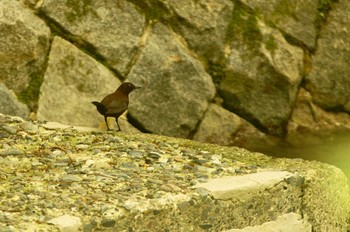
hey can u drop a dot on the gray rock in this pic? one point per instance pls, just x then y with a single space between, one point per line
218 126
9 129
309 124
136 154
296 18
67 223
176 89
108 222
72 80
11 152
329 81
9 104
71 178
24 44
263 76
113 28
30 127
204 25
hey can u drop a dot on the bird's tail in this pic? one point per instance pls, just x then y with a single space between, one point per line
100 107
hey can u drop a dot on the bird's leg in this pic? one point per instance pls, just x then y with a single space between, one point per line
116 119
107 123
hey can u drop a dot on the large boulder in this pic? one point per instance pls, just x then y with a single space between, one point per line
176 88
309 124
329 81
72 80
218 126
24 45
113 28
263 75
9 103
204 25
223 127
296 18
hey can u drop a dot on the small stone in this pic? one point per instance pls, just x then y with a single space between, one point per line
202 191
296 180
57 152
82 146
11 151
205 213
9 129
170 188
66 223
71 178
154 155
108 223
163 160
206 226
205 170
200 161
216 160
135 154
183 206
28 126
3 135
128 165
88 227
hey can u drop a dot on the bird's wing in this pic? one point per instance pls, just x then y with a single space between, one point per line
116 107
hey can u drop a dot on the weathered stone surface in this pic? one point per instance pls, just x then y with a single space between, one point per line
296 18
24 44
9 103
72 80
113 184
244 187
329 81
175 88
263 76
114 28
290 222
204 25
309 124
324 195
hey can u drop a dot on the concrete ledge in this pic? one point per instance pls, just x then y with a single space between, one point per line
290 222
243 187
65 179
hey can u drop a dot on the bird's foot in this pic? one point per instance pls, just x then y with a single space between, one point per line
114 130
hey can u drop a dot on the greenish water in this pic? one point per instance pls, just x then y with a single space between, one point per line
334 150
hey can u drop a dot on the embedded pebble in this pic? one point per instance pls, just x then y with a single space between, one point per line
135 154
27 126
170 188
82 146
154 155
71 178
66 223
108 223
9 129
11 152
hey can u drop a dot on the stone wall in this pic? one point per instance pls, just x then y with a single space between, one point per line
231 72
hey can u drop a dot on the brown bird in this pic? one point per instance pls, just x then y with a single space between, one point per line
115 104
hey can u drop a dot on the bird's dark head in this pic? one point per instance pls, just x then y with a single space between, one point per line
127 87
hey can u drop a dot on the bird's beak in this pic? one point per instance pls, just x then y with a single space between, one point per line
138 87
